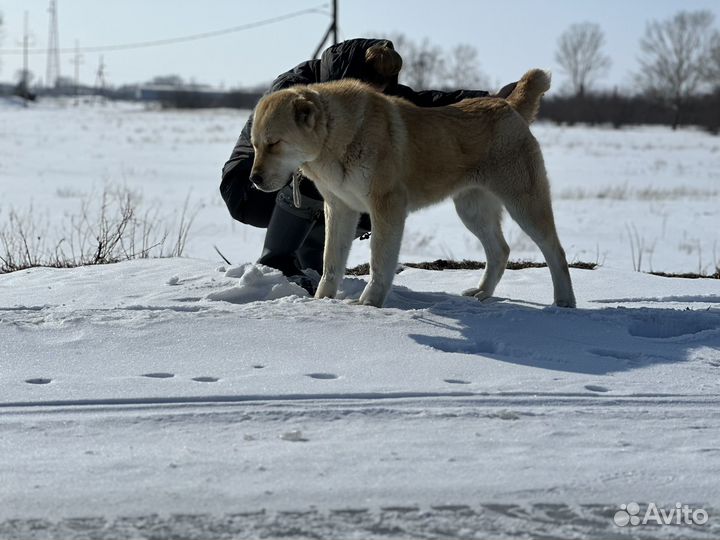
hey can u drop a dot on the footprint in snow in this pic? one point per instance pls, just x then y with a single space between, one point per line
38 380
596 388
205 379
456 381
349 511
159 375
293 436
400 509
324 376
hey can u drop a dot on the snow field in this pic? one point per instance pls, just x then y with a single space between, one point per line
190 398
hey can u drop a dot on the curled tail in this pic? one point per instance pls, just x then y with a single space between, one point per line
525 97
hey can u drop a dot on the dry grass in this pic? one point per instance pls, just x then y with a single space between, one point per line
688 275
648 193
444 264
108 228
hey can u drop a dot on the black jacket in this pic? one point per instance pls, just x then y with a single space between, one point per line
341 61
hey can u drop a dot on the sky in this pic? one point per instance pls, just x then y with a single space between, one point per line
511 36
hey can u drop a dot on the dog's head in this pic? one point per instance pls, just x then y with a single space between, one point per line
289 129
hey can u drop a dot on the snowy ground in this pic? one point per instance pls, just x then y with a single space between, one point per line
182 398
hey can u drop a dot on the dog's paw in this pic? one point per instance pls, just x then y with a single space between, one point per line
365 302
477 293
325 290
373 295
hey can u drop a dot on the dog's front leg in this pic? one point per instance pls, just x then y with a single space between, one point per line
340 225
388 221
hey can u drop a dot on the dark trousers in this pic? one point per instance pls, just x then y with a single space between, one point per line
295 236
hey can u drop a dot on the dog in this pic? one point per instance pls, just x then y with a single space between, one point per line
378 154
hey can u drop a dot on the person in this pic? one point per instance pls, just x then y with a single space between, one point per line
293 216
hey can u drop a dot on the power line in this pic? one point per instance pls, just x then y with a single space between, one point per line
171 41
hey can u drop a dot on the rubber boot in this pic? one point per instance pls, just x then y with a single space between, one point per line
287 231
310 254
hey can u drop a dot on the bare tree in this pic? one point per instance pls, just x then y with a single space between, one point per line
580 56
462 69
423 65
168 80
426 65
22 88
712 68
1 34
675 56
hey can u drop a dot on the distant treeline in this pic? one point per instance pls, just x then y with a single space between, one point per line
620 110
592 108
188 98
171 98
613 109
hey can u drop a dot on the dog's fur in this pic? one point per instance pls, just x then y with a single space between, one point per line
368 152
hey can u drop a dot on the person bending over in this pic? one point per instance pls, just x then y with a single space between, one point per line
293 216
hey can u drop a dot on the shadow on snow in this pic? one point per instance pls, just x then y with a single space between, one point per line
592 341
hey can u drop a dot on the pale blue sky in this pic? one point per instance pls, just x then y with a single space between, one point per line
511 35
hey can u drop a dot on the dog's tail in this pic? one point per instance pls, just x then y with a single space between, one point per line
525 97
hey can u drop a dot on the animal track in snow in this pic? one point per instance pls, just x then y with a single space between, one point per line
159 375
293 436
323 376
165 375
38 380
596 388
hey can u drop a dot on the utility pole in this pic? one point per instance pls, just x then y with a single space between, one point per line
23 87
332 29
52 74
26 39
100 77
77 60
335 22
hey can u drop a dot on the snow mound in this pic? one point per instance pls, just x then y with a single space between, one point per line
256 283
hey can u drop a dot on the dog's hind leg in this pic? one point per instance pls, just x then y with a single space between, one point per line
387 214
481 212
340 225
533 212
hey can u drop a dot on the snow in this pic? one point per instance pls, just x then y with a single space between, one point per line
648 184
191 398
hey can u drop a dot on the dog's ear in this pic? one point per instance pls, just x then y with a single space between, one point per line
305 113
